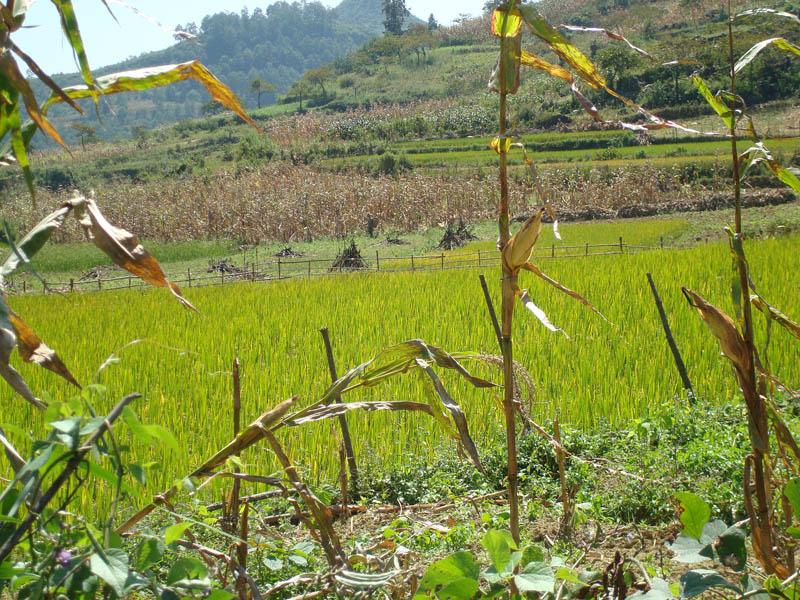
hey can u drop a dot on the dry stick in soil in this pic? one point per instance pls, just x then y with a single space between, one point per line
241 530
322 514
346 439
254 433
72 465
673 346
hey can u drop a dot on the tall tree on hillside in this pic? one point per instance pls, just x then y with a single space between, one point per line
258 86
394 13
319 76
433 24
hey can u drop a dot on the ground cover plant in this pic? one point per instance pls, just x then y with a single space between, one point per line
154 531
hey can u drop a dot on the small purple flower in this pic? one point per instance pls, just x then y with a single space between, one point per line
63 557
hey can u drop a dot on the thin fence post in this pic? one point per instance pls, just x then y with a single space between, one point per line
621 246
189 276
222 277
71 285
253 272
377 261
279 267
553 251
347 441
587 248
662 242
442 261
130 282
412 262
24 287
479 258
673 346
309 268
99 284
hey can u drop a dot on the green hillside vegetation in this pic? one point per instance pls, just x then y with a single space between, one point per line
276 44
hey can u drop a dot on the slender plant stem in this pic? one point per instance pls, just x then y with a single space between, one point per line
757 410
507 313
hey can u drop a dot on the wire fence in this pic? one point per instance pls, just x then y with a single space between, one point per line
294 267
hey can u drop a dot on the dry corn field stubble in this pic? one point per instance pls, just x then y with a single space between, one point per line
295 204
183 363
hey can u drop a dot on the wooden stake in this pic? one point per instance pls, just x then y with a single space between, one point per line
346 440
676 353
566 498
237 424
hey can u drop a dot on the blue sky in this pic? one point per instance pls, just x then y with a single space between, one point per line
107 42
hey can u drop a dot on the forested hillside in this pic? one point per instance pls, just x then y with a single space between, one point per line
277 45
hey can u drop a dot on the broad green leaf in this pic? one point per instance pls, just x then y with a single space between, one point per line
699 581
568 52
570 576
695 513
751 54
35 240
499 545
689 550
175 532
155 77
111 568
11 123
731 548
758 154
149 553
454 577
149 433
659 590
69 24
186 569
12 75
506 23
221 595
509 61
714 102
792 492
536 577
108 476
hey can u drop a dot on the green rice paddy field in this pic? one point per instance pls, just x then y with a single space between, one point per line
603 373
